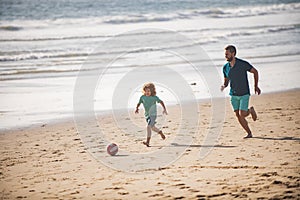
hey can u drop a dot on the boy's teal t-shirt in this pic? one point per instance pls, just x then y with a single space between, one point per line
149 103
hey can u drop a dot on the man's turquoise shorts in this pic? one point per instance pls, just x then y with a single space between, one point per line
240 102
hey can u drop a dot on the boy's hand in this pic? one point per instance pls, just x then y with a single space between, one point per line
136 111
165 112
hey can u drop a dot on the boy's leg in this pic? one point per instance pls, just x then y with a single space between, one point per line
154 128
149 132
162 135
147 143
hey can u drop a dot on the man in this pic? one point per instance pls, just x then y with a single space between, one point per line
235 72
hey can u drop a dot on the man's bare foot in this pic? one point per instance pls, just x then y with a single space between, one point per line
162 135
147 144
253 113
248 136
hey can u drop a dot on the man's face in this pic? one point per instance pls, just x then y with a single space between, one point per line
228 55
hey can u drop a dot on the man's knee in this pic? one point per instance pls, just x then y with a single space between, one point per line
241 113
244 113
237 113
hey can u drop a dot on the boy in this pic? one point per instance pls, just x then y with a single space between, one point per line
149 100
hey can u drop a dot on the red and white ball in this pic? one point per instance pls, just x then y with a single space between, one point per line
112 149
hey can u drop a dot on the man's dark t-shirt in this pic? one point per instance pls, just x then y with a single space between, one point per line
237 76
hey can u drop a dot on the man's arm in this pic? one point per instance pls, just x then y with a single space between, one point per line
255 73
226 82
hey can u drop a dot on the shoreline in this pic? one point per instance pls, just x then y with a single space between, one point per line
52 162
69 119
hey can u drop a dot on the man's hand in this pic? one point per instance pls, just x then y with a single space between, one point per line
226 82
222 88
165 112
257 90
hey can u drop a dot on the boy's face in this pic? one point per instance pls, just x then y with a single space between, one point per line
147 92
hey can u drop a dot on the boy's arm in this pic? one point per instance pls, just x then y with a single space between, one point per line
256 88
164 107
137 108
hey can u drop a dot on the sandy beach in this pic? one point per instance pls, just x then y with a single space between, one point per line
51 161
64 62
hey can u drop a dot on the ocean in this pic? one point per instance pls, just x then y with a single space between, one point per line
44 45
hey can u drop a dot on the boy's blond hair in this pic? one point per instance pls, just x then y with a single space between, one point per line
150 86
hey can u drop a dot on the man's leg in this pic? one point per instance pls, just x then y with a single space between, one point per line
253 113
244 112
244 105
241 115
240 107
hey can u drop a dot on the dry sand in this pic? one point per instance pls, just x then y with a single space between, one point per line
52 162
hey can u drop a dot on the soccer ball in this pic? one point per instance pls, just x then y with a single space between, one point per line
112 149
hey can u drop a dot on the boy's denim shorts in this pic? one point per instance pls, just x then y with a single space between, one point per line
151 120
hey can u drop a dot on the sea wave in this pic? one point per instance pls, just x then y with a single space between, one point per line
73 23
11 28
213 35
38 55
249 11
138 17
54 38
246 11
262 30
35 71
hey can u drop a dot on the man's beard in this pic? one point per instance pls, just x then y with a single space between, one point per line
229 59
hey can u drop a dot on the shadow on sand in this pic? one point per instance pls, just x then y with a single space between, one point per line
281 138
199 145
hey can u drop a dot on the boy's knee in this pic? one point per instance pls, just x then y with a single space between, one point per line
149 126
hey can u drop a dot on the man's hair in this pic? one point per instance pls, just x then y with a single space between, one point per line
231 48
150 86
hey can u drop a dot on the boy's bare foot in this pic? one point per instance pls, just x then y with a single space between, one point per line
162 135
147 144
248 136
253 113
